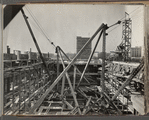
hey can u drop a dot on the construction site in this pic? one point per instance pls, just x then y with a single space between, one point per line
87 82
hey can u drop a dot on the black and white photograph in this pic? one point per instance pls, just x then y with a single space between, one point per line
73 59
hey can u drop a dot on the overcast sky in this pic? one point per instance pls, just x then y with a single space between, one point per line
63 23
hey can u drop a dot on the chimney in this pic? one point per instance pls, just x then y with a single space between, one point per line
8 50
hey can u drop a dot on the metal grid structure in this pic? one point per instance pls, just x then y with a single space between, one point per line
23 87
125 46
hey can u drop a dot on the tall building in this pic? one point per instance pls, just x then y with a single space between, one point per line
136 52
80 43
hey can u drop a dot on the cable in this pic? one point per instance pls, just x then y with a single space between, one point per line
113 29
38 24
36 21
44 33
122 19
35 26
130 13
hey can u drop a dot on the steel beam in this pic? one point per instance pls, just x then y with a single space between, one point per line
58 65
89 59
70 85
36 44
35 93
57 61
86 106
73 65
74 77
112 103
84 95
134 73
65 70
109 100
68 104
103 60
63 85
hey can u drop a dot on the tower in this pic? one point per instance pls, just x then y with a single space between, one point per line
125 46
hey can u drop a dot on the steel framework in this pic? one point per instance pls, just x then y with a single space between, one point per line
38 79
125 46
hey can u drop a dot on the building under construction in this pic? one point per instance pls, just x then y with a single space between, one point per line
37 83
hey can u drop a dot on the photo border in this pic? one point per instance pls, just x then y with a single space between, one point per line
127 2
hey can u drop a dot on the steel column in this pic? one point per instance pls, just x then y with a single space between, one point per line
57 61
36 44
58 65
103 60
70 85
63 85
65 70
74 77
73 64
89 59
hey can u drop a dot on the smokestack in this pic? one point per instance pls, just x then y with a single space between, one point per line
48 55
8 50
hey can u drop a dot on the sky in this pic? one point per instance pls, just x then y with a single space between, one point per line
62 23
